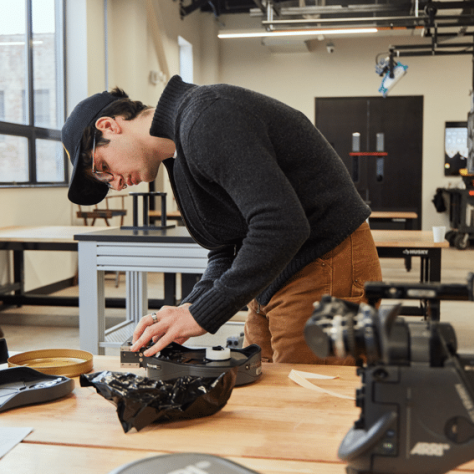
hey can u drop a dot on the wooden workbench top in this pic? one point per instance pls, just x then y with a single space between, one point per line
45 233
273 418
406 238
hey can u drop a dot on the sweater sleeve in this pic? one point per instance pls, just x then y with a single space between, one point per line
219 261
233 149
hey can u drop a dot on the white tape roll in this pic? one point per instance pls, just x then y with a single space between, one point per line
217 353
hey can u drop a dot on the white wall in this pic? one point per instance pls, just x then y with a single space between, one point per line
298 78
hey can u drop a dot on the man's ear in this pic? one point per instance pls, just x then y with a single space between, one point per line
108 125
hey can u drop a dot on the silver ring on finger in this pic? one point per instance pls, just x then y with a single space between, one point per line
153 316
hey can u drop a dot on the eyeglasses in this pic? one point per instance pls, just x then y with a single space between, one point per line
102 176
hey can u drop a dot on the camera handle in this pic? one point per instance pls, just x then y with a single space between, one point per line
358 441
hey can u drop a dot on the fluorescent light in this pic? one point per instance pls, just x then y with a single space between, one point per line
315 32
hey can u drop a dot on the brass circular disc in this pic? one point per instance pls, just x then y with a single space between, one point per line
67 362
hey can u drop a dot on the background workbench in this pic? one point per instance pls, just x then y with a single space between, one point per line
20 239
392 220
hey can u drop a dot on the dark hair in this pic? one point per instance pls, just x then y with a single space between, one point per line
124 107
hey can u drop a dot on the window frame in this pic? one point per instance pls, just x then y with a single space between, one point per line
30 131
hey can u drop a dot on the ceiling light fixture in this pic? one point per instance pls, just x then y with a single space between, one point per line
315 32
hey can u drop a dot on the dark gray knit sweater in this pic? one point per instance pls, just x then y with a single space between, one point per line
258 185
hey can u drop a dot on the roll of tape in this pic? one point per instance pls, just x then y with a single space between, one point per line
217 353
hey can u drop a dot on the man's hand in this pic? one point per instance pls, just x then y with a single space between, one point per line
172 324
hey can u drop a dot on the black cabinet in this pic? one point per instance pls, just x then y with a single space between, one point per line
380 141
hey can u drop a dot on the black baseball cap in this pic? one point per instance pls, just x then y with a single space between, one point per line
83 190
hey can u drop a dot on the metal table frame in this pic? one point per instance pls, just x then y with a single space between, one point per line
430 268
20 297
136 253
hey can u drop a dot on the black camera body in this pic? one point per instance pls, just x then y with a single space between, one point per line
417 393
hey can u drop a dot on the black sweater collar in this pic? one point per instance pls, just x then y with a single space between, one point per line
168 108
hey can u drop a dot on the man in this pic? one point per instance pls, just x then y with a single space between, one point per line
256 184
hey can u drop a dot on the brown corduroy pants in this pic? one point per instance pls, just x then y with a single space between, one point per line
278 327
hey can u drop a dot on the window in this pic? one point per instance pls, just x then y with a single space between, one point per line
41 107
185 60
2 105
32 93
2 111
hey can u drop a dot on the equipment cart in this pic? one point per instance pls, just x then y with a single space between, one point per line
461 214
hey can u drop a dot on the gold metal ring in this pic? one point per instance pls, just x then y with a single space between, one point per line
67 362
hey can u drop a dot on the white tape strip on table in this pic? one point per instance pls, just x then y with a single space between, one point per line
301 378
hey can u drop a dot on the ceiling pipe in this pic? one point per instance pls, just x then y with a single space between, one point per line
417 20
336 10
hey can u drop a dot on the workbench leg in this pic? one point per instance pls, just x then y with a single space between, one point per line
434 310
435 265
170 289
424 267
91 300
431 273
137 296
188 280
19 271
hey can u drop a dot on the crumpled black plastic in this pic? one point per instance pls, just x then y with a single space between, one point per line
141 401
